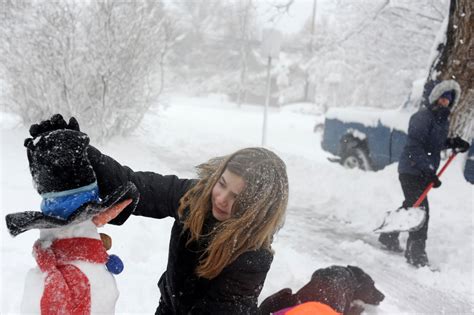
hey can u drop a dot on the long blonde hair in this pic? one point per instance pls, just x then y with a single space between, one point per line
257 213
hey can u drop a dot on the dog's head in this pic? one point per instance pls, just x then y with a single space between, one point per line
365 290
332 286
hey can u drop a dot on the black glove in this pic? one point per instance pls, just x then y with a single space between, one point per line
58 160
57 155
457 144
433 178
54 123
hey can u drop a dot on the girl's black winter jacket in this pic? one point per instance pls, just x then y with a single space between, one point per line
234 291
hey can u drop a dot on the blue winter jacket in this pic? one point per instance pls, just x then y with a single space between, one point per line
427 134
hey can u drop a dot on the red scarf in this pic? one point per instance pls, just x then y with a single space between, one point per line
66 288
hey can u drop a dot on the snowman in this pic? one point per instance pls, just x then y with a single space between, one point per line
74 273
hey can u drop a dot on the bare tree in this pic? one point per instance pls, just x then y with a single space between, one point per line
369 53
203 58
221 43
99 61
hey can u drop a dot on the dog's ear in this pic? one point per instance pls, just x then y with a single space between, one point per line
357 271
277 301
318 273
362 278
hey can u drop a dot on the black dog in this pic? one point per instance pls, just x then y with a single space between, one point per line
336 286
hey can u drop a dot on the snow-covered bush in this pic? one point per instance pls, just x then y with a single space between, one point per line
100 61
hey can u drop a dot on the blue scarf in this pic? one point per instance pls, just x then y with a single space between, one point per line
63 203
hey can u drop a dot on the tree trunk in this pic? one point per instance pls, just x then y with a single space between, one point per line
457 62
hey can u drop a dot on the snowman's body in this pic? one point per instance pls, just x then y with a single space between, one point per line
103 288
71 276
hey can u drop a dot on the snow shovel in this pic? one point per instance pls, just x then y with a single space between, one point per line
409 219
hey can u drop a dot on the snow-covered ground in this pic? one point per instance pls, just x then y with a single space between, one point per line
331 213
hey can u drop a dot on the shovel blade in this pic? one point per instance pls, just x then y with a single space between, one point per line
402 220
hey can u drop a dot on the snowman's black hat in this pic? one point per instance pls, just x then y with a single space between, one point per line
65 179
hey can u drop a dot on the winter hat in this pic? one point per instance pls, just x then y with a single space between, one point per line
449 95
442 87
61 171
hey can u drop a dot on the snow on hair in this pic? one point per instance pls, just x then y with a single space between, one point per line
257 214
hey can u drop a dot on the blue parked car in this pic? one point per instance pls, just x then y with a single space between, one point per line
469 166
369 138
366 138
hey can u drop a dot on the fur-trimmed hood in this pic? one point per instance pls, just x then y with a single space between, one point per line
445 86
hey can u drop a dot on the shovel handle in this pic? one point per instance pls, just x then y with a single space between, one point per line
430 185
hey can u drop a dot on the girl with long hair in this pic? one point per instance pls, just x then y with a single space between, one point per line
220 246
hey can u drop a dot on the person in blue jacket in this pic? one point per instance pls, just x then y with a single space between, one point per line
420 158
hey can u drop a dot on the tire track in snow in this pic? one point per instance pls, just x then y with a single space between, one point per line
323 236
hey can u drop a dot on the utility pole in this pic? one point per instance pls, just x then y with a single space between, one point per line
267 101
313 20
310 50
271 49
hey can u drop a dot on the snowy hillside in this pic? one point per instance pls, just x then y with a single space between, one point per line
331 213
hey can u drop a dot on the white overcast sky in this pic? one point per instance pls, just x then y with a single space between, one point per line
299 12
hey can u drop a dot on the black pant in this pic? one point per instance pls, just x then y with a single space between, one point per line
413 186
